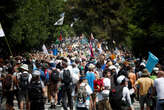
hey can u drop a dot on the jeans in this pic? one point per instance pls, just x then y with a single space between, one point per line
160 105
67 94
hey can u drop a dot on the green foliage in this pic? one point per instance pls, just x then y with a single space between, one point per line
106 19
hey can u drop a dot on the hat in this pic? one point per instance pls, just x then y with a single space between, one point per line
120 79
156 69
145 72
36 73
25 67
91 66
112 67
142 64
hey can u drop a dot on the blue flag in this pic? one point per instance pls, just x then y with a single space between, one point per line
151 62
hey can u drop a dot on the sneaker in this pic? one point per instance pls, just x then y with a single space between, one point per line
52 107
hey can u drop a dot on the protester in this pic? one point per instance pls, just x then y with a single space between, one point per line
67 82
24 80
83 92
120 95
145 84
36 92
159 87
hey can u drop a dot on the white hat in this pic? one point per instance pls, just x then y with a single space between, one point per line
142 64
91 66
112 67
36 73
25 67
156 69
120 79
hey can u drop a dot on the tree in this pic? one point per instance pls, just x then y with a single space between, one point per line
146 27
106 19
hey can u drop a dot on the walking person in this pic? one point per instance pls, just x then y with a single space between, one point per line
66 79
145 83
36 92
159 87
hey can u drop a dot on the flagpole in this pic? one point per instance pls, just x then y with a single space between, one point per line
8 46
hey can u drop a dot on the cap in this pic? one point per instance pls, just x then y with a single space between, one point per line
120 79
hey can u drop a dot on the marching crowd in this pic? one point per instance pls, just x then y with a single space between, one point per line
110 80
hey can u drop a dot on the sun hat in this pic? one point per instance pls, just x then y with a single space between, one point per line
25 67
91 66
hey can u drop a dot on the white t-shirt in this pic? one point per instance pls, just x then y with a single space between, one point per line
159 85
89 92
107 82
126 95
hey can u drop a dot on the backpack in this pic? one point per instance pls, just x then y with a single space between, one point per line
98 84
55 76
8 82
115 95
35 91
23 84
82 94
67 77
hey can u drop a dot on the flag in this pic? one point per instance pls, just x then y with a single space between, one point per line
60 21
151 62
72 24
60 37
45 51
91 49
2 34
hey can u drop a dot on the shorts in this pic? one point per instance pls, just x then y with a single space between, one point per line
145 99
23 96
53 89
10 98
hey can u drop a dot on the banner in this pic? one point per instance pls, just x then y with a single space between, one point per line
2 34
151 62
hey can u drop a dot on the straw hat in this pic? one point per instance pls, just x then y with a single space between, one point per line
91 66
25 67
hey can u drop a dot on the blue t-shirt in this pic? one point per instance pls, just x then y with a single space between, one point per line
90 76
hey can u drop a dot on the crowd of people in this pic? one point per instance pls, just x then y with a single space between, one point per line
107 80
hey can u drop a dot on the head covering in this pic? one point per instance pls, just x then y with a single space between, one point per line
142 64
145 72
36 73
25 67
91 66
156 69
120 79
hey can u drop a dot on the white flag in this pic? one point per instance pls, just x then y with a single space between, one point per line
60 21
45 51
2 34
71 24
